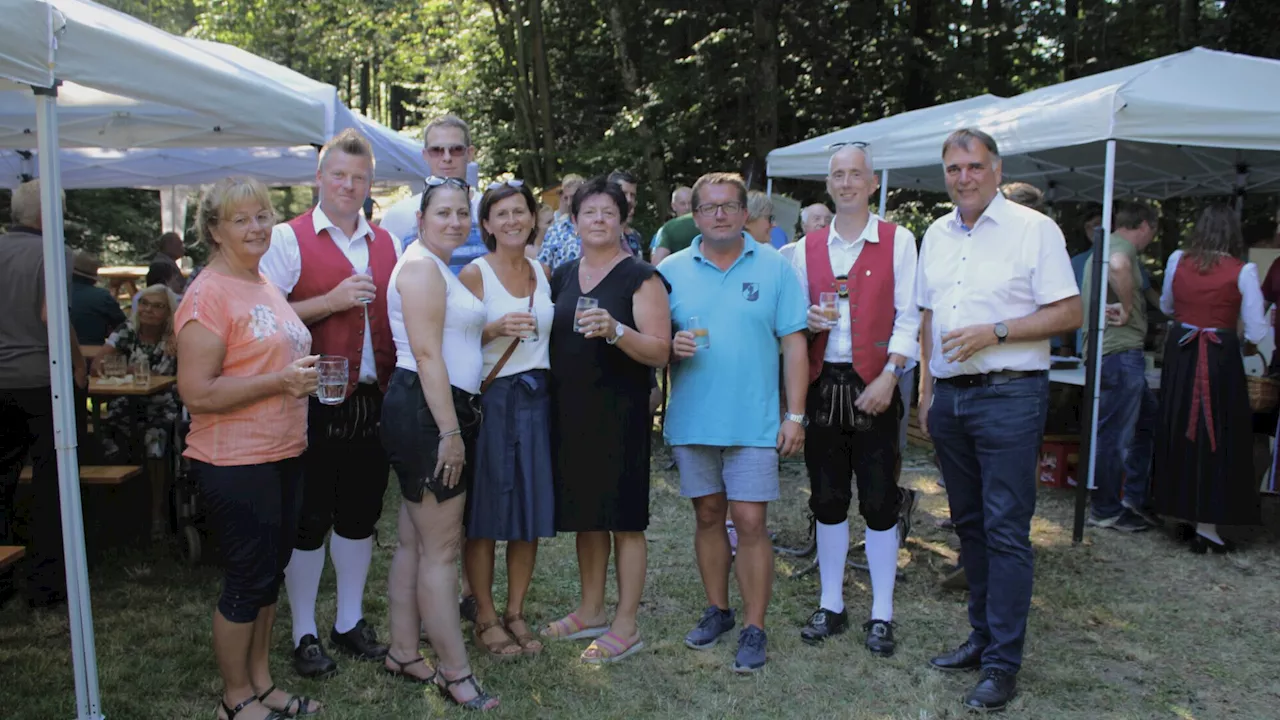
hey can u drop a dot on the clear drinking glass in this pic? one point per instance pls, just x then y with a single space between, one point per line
332 370
584 304
829 304
362 271
114 366
531 336
701 336
141 372
942 332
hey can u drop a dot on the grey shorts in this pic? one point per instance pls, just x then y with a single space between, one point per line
744 474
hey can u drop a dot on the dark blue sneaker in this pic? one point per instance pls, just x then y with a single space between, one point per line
714 623
751 645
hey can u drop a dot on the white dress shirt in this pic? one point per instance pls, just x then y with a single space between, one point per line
282 265
1012 262
1256 326
843 254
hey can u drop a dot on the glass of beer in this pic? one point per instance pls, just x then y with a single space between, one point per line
332 370
701 336
584 304
362 271
829 304
141 371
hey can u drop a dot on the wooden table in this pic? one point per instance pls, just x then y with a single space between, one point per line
123 280
159 383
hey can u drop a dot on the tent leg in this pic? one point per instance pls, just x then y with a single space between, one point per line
83 657
884 192
768 186
1097 323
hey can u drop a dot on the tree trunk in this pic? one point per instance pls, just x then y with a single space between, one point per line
542 91
765 100
918 92
998 70
364 88
1189 25
631 80
511 40
1071 40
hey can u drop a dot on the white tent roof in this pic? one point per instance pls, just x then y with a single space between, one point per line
1185 124
103 56
808 159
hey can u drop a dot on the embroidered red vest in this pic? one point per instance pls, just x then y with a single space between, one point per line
324 266
870 286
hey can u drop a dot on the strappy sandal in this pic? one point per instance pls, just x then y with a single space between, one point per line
499 650
400 671
232 712
529 643
295 706
610 648
571 627
479 702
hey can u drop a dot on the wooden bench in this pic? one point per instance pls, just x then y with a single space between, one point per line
10 554
97 474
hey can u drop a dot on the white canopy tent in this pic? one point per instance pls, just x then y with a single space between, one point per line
130 79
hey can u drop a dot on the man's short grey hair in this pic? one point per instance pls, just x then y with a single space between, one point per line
1024 194
677 191
804 212
758 205
863 148
448 121
25 204
964 139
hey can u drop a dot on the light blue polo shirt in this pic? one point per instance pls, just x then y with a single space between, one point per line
727 395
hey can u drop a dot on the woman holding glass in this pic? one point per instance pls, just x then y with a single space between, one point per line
244 373
430 419
147 343
612 326
512 497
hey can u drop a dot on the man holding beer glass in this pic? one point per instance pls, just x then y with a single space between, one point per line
859 274
334 268
733 300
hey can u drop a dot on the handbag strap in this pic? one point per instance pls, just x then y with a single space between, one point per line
497 368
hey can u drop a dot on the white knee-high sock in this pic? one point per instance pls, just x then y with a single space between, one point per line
833 549
302 583
351 559
882 559
1209 531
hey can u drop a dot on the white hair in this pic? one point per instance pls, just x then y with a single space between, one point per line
864 149
804 211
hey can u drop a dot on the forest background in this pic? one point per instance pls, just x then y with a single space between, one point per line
670 89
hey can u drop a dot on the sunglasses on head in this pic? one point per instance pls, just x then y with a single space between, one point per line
508 183
438 151
436 181
848 143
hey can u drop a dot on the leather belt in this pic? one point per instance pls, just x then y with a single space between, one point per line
999 377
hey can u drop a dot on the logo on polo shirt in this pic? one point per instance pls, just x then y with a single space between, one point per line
750 291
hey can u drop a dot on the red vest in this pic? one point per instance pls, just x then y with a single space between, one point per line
324 266
871 309
1207 300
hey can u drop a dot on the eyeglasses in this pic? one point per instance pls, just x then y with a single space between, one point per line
710 209
439 151
146 305
509 183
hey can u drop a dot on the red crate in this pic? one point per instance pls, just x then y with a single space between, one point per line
1059 460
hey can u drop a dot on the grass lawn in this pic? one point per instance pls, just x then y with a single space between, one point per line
1122 627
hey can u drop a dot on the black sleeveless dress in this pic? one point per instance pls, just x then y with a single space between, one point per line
601 426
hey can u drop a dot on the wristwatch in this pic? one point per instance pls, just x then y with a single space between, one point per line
898 372
618 331
800 420
1002 332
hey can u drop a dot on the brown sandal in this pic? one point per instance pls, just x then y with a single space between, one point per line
499 650
529 643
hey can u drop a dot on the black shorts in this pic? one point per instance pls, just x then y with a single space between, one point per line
412 438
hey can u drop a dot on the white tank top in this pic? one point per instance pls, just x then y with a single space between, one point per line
529 354
463 325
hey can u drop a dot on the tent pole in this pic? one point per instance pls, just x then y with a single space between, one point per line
84 660
768 186
884 192
1097 323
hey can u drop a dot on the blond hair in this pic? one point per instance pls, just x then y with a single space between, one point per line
225 194
758 205
163 291
721 178
351 142
448 121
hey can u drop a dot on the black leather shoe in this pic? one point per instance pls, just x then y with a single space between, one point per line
993 692
822 625
880 638
1201 545
966 657
359 642
468 607
311 661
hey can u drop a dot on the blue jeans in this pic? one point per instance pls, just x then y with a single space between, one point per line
988 444
1127 412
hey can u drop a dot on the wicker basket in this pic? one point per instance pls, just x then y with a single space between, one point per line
1264 394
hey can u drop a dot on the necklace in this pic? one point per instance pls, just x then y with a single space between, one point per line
590 273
